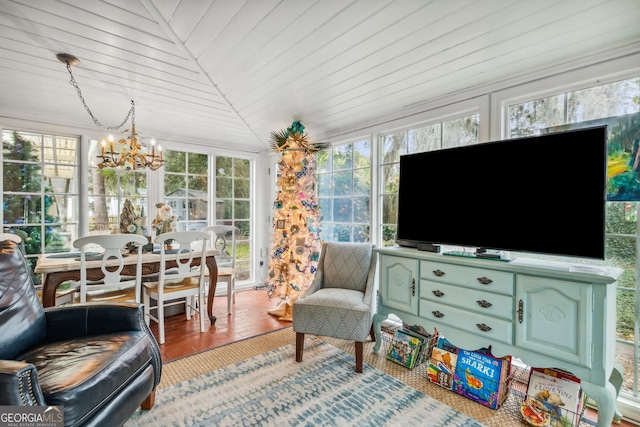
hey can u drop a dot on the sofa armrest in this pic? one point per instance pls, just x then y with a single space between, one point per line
19 384
88 319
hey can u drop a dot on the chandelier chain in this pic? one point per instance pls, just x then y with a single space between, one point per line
130 114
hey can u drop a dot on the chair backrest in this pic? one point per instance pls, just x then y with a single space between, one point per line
186 245
110 250
21 313
346 265
224 239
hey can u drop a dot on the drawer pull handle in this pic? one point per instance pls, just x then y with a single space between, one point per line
438 314
484 280
413 287
438 293
484 303
438 273
483 327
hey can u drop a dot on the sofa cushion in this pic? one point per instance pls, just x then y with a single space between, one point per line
21 314
334 312
83 373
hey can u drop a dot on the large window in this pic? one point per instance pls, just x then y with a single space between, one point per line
446 134
343 178
618 104
39 193
233 207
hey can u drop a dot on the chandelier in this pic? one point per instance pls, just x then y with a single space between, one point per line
128 151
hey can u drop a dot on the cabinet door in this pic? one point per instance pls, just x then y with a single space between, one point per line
554 318
398 287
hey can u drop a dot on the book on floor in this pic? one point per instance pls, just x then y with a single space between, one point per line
558 393
481 377
442 363
404 349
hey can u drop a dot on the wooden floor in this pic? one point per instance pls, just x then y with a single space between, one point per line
250 318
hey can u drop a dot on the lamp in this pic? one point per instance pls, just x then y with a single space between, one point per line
126 152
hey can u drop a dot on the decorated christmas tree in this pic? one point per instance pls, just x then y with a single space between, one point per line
295 245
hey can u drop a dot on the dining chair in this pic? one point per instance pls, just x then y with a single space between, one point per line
110 250
177 282
224 239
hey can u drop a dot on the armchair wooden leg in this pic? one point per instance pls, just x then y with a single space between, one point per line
359 354
149 401
373 334
299 346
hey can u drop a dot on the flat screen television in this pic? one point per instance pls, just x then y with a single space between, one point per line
543 194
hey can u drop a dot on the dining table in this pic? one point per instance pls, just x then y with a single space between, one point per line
57 268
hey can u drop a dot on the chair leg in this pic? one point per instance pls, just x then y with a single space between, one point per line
299 346
161 320
233 287
187 306
201 310
373 334
148 403
359 353
229 294
146 300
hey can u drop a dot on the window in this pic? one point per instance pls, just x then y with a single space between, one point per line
233 207
186 188
39 194
613 101
446 134
343 180
109 189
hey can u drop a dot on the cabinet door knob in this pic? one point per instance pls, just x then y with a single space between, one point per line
438 293
484 280
438 273
438 314
413 287
483 327
484 303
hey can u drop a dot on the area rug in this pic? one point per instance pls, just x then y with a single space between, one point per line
271 389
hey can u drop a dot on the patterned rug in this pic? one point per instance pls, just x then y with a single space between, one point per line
271 389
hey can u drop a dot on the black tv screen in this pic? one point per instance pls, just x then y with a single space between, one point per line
544 194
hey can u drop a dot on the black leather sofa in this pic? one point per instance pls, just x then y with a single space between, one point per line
98 361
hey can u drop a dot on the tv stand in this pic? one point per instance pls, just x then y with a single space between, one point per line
545 313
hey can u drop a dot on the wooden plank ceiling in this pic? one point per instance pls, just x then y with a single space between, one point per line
228 72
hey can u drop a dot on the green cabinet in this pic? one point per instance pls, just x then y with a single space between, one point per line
547 314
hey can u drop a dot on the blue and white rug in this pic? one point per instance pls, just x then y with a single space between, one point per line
271 389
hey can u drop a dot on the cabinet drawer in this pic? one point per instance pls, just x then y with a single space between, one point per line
483 302
483 326
471 277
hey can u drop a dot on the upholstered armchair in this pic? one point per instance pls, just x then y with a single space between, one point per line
341 300
99 362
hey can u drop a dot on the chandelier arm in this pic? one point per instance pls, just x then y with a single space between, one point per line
130 114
